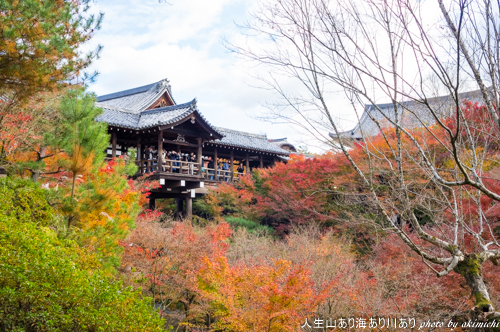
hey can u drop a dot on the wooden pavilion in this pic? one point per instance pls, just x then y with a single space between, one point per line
148 118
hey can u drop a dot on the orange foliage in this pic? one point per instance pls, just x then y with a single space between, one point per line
263 297
188 272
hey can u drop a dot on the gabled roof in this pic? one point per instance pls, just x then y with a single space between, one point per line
246 140
138 99
125 118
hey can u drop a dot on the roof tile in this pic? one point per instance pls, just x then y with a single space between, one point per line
248 141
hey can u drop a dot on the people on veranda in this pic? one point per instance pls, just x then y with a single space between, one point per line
177 164
191 158
210 167
225 168
219 167
173 156
240 169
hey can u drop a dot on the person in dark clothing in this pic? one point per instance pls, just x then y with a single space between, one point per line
174 156
209 166
225 168
240 169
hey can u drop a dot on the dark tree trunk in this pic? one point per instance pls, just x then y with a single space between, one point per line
470 269
35 175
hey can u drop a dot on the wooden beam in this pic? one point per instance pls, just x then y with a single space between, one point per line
174 183
180 143
177 186
139 150
172 195
194 185
201 123
199 156
247 163
131 141
261 160
113 144
216 164
231 165
189 207
160 151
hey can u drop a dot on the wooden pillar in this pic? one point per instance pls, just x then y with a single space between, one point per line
139 154
247 163
160 151
199 156
261 161
189 207
216 165
231 165
178 208
113 144
152 202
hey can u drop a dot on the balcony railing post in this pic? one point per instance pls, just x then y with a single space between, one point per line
160 151
231 165
199 153
216 166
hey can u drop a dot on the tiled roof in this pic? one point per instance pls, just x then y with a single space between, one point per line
248 141
127 109
159 116
138 99
166 115
119 117
367 127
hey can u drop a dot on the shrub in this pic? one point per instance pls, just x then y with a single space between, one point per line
24 201
251 226
51 284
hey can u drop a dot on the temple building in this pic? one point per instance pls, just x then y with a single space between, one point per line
413 114
178 146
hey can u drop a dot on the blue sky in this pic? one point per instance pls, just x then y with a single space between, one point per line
145 41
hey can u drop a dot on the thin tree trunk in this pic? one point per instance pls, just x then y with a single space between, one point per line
73 186
70 219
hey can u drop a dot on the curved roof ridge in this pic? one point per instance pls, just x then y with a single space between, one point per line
154 93
124 93
244 140
278 140
138 99
115 108
243 133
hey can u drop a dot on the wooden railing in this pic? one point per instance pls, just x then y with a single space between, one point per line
221 175
169 166
187 168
